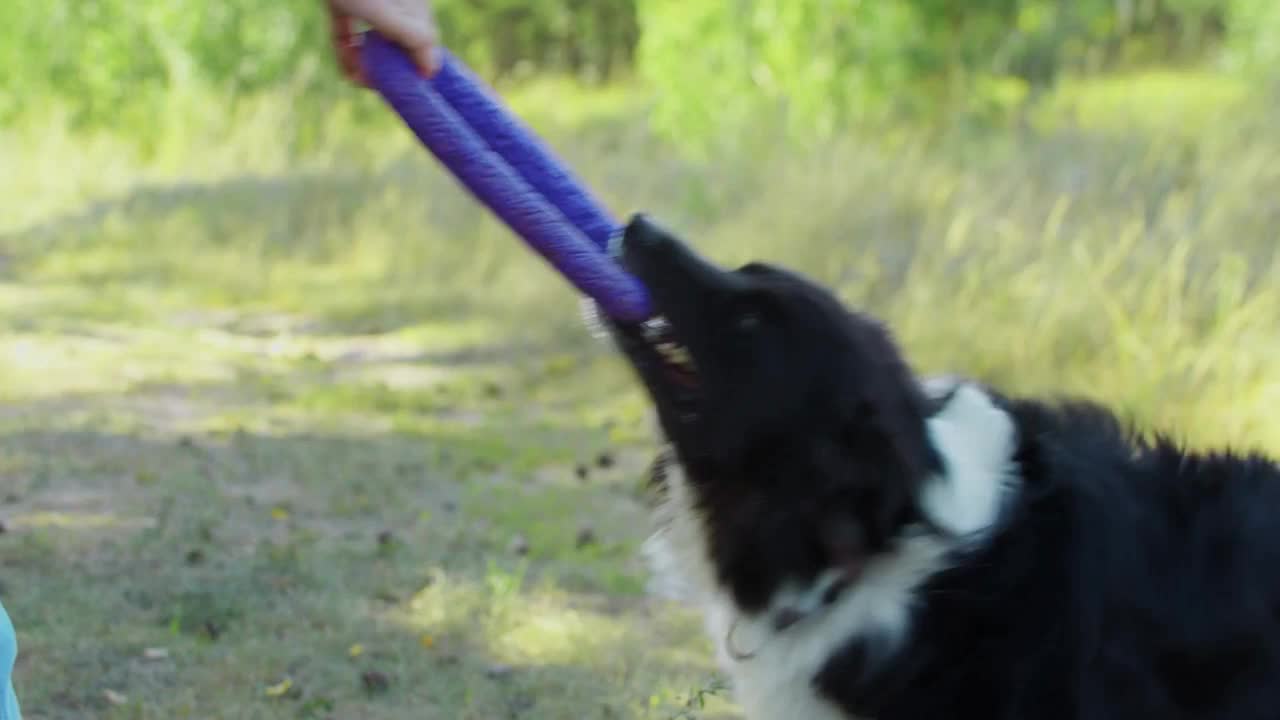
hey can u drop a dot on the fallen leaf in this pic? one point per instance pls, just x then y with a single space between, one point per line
155 653
427 641
356 650
279 513
114 697
280 689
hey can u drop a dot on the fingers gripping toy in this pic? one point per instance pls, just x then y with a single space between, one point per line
507 168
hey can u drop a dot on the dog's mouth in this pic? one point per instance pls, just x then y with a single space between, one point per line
677 361
667 370
663 350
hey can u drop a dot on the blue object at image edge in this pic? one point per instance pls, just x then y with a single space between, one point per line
8 653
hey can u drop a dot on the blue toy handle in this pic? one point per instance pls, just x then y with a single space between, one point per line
509 170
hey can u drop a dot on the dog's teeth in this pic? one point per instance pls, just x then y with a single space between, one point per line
655 328
680 356
675 354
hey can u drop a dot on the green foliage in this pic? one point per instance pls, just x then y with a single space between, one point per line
810 68
586 38
815 67
114 58
724 66
113 61
1254 35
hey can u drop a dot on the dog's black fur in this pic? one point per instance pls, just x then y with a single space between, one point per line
1123 579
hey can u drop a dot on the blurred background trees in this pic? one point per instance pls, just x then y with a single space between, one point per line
813 65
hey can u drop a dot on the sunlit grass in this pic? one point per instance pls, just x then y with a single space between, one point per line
517 623
1183 103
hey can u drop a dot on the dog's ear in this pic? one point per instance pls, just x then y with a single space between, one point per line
883 409
869 491
884 456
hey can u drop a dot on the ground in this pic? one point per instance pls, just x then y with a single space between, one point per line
285 438
280 545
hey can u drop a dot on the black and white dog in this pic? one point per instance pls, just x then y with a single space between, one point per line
866 544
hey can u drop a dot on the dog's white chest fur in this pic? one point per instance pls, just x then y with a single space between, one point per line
776 681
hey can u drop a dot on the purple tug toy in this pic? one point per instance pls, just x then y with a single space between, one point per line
505 166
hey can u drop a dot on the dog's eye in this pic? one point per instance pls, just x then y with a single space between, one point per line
748 321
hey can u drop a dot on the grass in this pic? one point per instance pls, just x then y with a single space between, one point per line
290 435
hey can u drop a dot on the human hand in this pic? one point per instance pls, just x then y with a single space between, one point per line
408 23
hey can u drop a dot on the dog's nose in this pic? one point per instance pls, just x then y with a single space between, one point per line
642 234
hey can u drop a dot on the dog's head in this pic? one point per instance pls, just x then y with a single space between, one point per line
799 425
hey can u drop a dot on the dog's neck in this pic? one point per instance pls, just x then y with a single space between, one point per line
976 442
773 651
